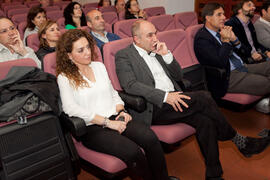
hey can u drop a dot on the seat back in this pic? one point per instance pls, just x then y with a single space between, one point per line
33 41
95 5
61 23
123 28
155 11
185 19
162 22
7 65
18 18
191 32
121 15
110 17
31 3
21 28
87 9
6 8
55 15
2 13
176 42
12 12
108 27
52 8
109 51
3 5
107 9
49 61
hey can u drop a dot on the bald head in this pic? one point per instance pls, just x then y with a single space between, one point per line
95 21
144 35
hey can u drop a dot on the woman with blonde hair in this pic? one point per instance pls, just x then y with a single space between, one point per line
48 35
86 92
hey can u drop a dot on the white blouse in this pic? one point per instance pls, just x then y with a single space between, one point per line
99 98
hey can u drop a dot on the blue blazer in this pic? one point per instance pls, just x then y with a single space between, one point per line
210 52
110 36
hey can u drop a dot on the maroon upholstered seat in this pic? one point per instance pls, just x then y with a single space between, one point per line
21 28
167 133
33 41
110 17
163 22
18 18
95 5
61 23
155 11
12 12
123 28
54 15
107 9
185 19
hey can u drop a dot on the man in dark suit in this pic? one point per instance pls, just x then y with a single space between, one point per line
243 28
215 45
147 68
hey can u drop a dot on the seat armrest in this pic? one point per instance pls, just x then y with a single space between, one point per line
136 103
76 126
215 72
185 85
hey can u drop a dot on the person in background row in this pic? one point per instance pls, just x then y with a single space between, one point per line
262 26
104 3
74 16
86 92
119 5
44 3
96 23
11 45
242 26
35 17
48 35
133 10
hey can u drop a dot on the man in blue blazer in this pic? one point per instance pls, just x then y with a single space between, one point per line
215 45
96 23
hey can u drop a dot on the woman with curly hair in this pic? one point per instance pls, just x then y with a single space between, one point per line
35 18
48 35
86 92
74 16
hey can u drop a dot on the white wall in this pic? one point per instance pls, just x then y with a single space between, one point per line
171 6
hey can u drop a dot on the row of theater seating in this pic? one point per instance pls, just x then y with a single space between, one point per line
122 28
180 43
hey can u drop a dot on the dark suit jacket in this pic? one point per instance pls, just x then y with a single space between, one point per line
211 53
239 31
136 78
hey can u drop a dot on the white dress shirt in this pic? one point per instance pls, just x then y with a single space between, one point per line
162 81
85 102
6 55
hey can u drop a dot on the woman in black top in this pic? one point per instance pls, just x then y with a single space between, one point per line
48 36
133 10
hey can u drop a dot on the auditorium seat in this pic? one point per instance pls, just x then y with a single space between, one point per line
185 19
123 28
155 11
107 9
169 134
21 28
95 5
33 41
61 23
54 15
163 22
110 17
18 18
12 12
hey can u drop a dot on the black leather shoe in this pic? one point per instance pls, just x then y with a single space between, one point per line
255 146
214 178
173 178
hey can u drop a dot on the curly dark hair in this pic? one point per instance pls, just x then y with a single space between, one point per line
68 11
33 12
128 14
64 64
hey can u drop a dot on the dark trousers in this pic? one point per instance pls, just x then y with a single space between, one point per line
150 165
210 124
